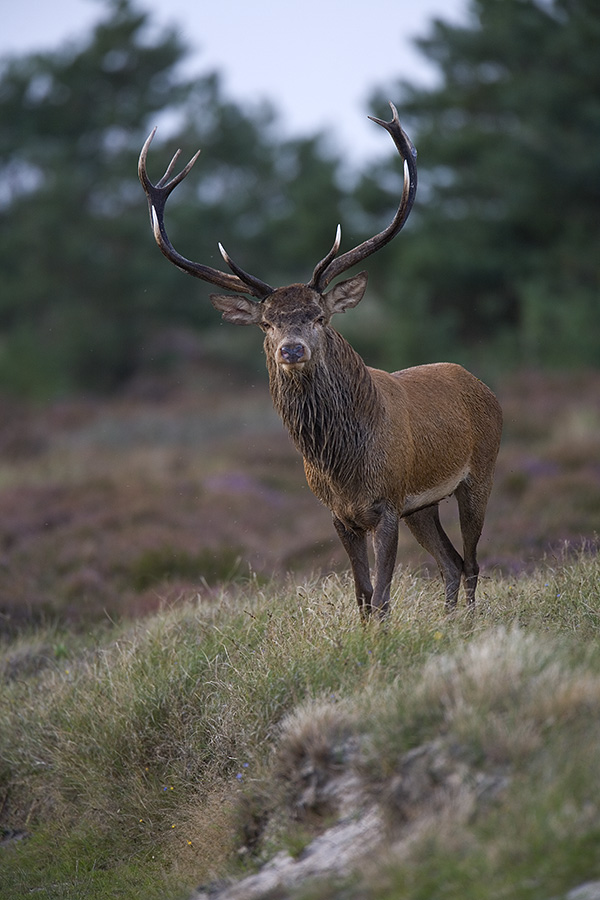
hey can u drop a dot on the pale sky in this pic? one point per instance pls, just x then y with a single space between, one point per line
317 60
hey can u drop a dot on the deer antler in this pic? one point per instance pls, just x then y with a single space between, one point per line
326 270
240 282
330 266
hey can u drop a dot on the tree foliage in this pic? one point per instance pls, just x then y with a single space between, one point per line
83 288
503 249
499 256
70 300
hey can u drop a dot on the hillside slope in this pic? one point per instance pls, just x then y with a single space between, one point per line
234 737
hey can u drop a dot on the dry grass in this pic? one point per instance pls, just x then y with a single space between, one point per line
253 718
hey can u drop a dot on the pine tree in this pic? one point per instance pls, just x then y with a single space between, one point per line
503 249
84 289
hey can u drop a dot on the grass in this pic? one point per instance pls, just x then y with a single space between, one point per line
145 756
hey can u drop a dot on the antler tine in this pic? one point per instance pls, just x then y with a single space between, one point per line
142 174
262 289
157 193
164 181
408 153
390 126
157 197
321 266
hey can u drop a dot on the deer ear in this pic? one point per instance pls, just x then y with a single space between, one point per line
238 310
347 294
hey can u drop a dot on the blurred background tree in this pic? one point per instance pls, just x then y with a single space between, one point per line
71 299
501 259
84 291
498 265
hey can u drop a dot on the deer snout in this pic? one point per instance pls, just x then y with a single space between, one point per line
292 353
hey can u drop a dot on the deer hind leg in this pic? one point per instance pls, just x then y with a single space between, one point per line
426 527
385 546
472 501
355 545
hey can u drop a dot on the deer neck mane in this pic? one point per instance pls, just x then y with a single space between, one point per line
330 408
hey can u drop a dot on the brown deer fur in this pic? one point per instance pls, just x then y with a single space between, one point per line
378 447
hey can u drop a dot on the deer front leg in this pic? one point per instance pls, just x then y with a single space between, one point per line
355 545
385 545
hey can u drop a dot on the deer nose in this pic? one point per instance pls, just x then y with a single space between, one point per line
293 353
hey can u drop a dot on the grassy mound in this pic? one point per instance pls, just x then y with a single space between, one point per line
148 759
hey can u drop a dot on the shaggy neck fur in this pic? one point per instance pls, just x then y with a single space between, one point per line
330 408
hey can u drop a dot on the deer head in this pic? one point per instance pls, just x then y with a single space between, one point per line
295 319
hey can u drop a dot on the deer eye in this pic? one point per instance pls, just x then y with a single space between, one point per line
265 326
320 320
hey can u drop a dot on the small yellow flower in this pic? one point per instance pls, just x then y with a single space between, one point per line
438 636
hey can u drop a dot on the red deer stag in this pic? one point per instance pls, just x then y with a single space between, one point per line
377 447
